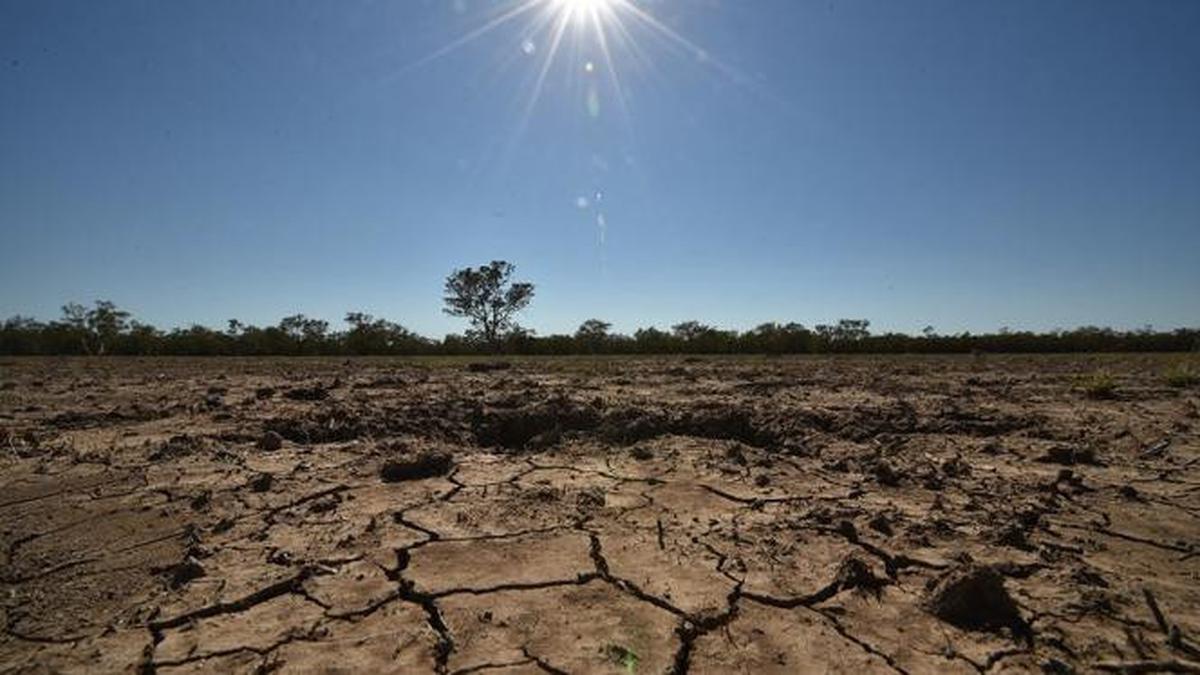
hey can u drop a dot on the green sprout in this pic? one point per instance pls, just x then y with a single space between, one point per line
624 657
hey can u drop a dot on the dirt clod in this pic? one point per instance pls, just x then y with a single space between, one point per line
885 474
973 597
270 441
1069 455
854 573
184 572
262 482
315 393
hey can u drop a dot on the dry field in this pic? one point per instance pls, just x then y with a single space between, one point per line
748 515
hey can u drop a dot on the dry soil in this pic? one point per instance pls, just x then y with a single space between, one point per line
741 515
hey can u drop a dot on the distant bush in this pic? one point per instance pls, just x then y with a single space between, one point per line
1182 375
1099 386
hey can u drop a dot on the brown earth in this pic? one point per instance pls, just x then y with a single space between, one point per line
749 515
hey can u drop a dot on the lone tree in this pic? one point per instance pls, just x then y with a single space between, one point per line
485 297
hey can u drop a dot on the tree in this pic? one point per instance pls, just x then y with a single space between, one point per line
487 298
593 334
690 330
97 328
851 330
368 335
307 334
652 341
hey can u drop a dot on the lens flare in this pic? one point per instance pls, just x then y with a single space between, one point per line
617 31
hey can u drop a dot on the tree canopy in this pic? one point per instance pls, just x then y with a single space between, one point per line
488 299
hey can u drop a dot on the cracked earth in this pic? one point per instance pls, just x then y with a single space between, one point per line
908 515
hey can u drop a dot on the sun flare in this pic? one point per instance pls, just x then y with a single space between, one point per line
605 38
582 8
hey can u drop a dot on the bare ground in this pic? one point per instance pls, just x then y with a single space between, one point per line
911 515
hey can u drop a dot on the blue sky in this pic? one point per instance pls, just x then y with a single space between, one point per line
970 165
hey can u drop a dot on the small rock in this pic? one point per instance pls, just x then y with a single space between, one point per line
1068 456
1065 476
735 454
846 529
325 504
590 498
641 453
1013 535
201 501
262 482
263 393
992 447
955 467
881 524
544 493
885 474
853 572
185 572
1053 666
270 441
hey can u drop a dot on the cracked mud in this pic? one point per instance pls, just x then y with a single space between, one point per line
910 515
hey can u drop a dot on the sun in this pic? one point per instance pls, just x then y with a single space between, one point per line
583 8
602 35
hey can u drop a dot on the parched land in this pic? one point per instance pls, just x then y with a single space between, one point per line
902 514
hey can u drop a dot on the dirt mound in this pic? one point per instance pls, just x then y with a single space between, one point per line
970 420
628 425
328 425
416 465
76 419
314 393
515 428
721 423
1068 455
488 366
973 597
180 445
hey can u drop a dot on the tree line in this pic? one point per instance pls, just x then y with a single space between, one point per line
488 298
106 329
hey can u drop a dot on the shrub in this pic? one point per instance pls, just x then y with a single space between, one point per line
1099 386
1182 375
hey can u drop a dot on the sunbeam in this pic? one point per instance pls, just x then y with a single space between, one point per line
553 30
